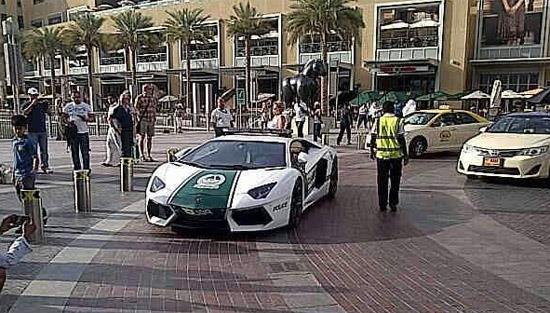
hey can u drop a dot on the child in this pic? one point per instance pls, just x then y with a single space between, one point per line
25 159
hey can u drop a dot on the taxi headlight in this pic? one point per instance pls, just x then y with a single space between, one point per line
534 151
157 184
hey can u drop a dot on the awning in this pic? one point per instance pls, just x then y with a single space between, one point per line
500 62
476 95
402 67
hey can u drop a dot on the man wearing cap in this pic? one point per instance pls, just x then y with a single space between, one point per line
36 110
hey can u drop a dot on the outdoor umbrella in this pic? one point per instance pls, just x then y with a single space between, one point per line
435 96
399 24
476 95
425 23
530 93
168 98
542 97
366 97
510 94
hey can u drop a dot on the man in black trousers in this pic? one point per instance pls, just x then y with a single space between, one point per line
388 136
346 120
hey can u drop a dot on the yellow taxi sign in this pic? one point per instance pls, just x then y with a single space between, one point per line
444 107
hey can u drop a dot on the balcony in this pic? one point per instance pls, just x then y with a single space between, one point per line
112 65
510 52
204 64
337 51
152 62
403 54
342 57
203 59
78 70
267 55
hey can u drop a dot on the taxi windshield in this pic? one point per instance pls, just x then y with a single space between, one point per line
522 125
419 118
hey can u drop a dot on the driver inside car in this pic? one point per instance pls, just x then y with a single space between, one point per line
297 154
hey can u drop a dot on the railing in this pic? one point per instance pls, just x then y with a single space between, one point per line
152 57
342 57
266 60
113 68
166 123
152 66
338 46
112 60
31 73
202 54
78 70
407 54
144 5
259 50
204 64
515 52
405 42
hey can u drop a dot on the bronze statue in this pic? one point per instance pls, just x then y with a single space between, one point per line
304 87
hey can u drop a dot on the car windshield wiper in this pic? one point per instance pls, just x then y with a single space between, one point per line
240 167
191 163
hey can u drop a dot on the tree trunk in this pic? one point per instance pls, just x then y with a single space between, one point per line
187 77
133 59
91 93
325 110
52 75
246 74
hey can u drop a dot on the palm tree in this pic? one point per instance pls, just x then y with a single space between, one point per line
184 26
246 22
323 18
44 44
130 26
85 31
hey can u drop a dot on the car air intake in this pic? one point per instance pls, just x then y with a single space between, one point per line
255 216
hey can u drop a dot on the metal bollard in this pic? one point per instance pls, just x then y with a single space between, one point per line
171 154
361 141
32 204
126 174
82 191
325 139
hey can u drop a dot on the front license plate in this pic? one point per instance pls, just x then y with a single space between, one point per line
494 162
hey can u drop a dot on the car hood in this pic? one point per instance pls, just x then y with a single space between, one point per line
193 187
508 141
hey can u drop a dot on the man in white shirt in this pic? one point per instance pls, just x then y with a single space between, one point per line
409 108
79 114
18 249
301 112
221 118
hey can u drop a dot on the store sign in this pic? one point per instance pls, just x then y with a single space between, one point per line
403 69
240 97
512 22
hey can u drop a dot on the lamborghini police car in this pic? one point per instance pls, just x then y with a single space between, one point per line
242 182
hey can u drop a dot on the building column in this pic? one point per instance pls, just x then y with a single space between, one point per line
209 95
195 88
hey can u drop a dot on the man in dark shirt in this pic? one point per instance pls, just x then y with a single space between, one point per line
36 111
125 124
346 120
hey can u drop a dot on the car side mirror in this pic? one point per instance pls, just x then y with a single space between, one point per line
177 153
483 129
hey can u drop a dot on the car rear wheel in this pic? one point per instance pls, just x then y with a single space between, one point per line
472 177
417 147
296 205
333 186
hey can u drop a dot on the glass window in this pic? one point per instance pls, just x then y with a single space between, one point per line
419 118
464 119
521 125
446 119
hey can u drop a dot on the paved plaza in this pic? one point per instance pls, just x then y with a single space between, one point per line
455 246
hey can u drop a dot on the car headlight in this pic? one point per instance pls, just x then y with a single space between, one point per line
261 192
534 151
157 184
466 148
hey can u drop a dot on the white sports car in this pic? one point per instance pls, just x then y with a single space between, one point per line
242 183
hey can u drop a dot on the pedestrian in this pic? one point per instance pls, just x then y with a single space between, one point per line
317 121
178 115
410 107
77 114
221 118
19 248
123 114
373 113
279 120
25 159
146 107
346 121
112 142
265 114
388 137
300 119
362 115
398 107
36 110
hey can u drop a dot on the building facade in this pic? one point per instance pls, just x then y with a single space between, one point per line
407 45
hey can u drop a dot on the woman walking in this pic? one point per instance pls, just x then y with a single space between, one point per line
113 143
279 120
317 122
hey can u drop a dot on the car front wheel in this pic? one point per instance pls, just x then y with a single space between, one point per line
418 147
296 205
333 185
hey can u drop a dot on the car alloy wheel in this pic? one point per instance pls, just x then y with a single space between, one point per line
333 186
296 205
417 147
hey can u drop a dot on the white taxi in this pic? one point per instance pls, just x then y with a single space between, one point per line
516 146
440 130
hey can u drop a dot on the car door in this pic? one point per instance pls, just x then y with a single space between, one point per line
467 127
443 132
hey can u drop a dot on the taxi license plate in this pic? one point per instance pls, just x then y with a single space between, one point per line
493 162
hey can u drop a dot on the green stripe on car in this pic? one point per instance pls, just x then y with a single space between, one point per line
207 189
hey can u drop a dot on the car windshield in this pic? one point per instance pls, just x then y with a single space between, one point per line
226 154
522 125
419 118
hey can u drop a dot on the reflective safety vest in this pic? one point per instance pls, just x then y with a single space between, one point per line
387 146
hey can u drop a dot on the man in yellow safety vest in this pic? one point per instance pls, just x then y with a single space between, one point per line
388 137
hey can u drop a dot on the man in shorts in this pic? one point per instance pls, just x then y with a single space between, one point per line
146 107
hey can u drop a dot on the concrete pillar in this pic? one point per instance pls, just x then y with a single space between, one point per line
195 88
